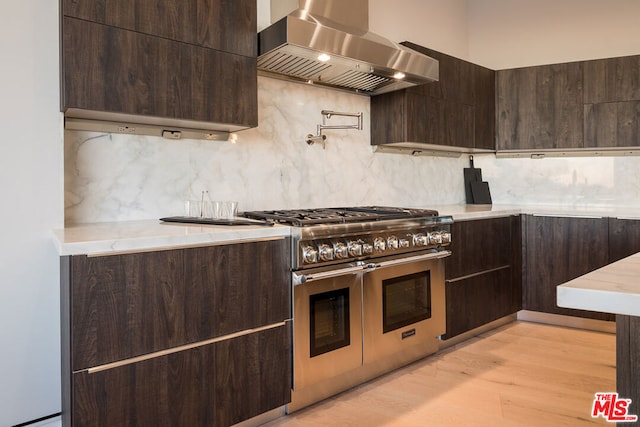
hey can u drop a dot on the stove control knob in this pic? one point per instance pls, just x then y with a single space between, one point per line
446 237
309 255
340 250
435 238
367 248
355 248
403 243
325 252
392 242
420 239
379 244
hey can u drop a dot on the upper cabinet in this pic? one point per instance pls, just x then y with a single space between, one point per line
457 112
188 64
588 105
612 102
540 107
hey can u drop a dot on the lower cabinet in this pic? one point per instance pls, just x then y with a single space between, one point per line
624 238
483 274
559 249
217 384
478 300
182 337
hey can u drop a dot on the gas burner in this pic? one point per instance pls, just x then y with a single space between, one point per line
344 215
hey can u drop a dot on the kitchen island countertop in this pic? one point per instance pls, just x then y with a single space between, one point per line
131 236
614 288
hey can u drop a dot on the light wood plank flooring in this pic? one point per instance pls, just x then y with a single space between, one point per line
521 374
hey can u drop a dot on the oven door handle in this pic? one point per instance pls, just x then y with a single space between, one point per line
398 261
299 279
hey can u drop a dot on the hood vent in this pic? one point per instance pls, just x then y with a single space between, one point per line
358 60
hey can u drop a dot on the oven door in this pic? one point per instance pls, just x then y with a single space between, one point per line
327 327
404 309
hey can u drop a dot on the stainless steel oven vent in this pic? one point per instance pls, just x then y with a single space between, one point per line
355 58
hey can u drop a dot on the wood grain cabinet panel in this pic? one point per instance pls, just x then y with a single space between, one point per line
120 71
624 238
612 80
456 111
612 124
181 337
227 25
483 274
479 245
559 249
124 306
540 107
184 63
478 300
219 384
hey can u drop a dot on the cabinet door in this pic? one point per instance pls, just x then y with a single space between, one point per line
624 238
479 245
540 107
456 111
612 80
227 25
483 273
213 385
484 108
477 300
120 71
612 124
124 306
559 249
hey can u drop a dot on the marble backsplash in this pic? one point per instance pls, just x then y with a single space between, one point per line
114 177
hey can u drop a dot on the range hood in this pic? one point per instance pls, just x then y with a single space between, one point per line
353 58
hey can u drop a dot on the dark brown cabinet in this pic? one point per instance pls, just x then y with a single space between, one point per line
578 105
624 238
559 249
177 63
612 102
194 336
218 384
456 111
540 107
483 273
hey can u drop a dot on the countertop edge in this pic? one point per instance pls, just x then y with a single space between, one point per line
619 293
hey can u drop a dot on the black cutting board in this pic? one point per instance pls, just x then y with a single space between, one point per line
471 174
481 193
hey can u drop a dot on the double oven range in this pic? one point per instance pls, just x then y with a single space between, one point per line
368 294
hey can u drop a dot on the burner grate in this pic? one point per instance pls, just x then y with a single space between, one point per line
308 217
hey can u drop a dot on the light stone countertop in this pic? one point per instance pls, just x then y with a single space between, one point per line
131 236
614 288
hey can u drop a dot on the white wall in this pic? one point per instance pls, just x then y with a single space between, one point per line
31 188
437 24
515 33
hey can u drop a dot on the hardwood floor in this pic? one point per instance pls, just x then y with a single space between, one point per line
521 374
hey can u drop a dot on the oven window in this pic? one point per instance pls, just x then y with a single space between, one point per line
329 322
406 300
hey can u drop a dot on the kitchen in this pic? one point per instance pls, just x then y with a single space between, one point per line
119 178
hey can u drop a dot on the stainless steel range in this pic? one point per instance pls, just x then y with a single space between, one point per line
368 293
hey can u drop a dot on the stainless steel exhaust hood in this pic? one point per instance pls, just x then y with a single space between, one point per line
327 42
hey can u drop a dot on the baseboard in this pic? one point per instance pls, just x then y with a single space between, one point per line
477 331
568 321
262 418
